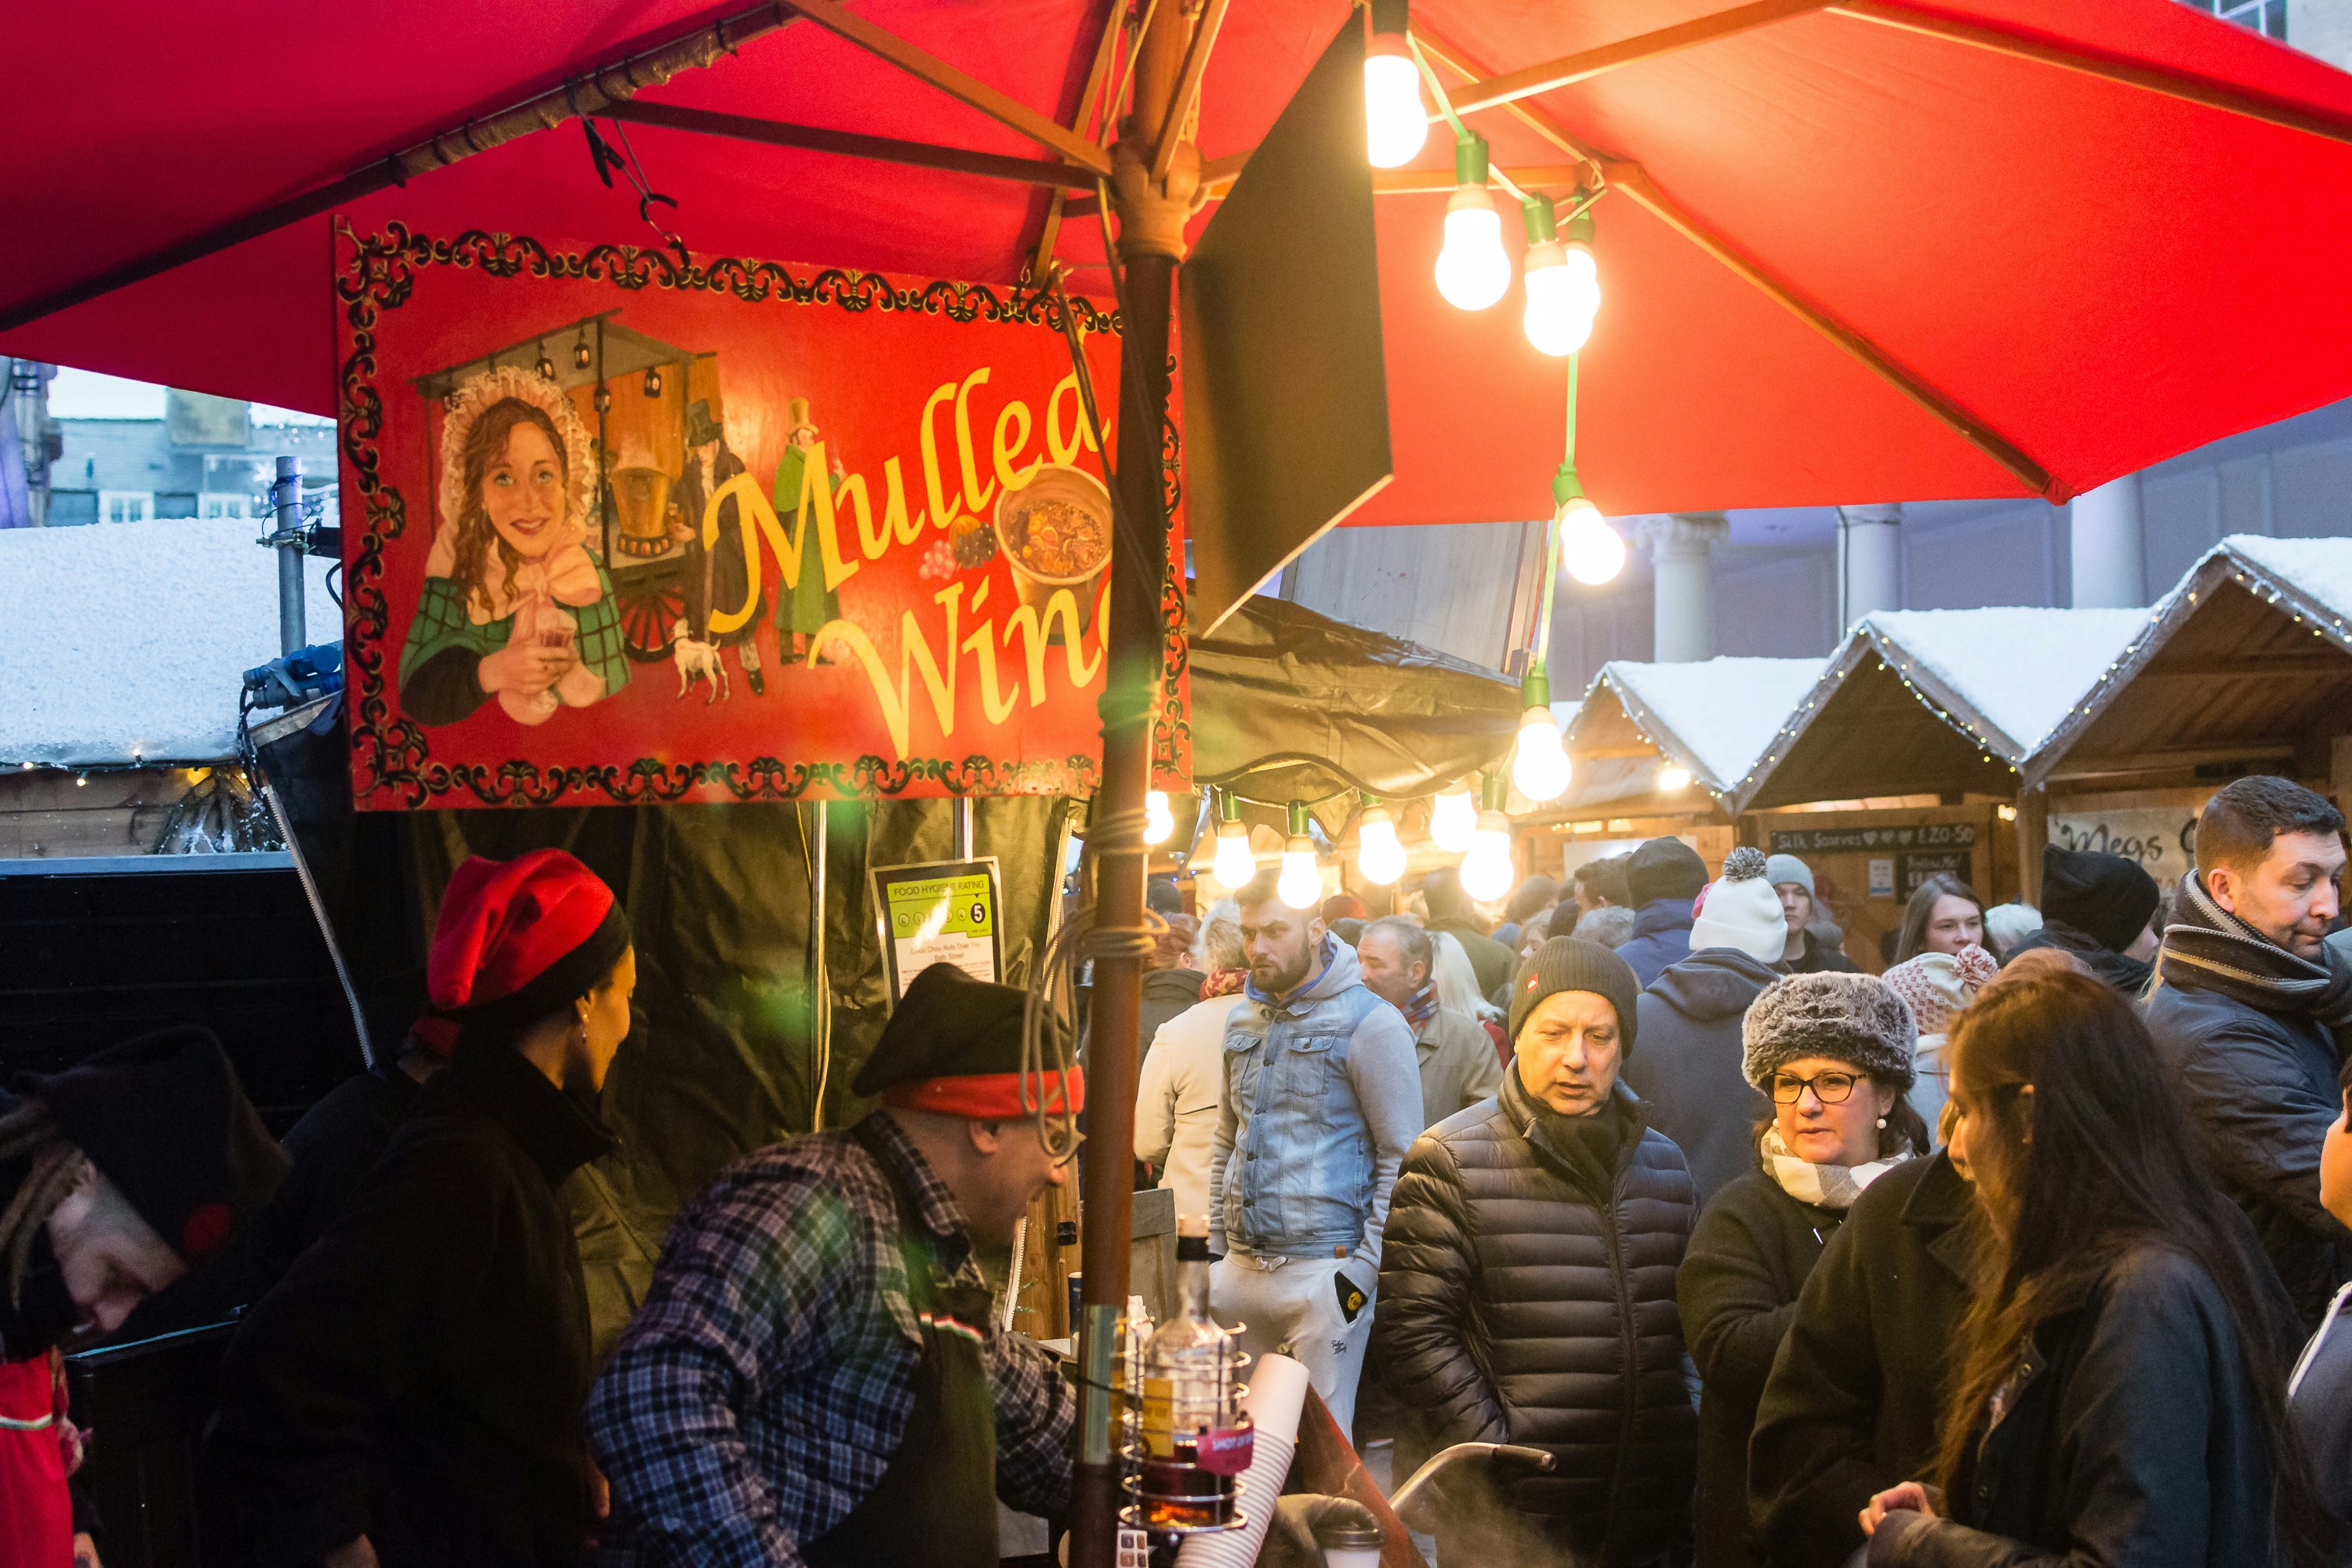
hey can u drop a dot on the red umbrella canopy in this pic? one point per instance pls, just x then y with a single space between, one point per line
1853 252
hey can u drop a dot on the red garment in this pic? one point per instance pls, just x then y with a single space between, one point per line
1502 1045
985 1095
504 922
35 1512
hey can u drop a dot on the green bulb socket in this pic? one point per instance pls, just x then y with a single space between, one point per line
1542 221
1470 160
1297 813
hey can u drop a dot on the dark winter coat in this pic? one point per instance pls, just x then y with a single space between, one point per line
1527 1296
1661 937
1819 957
2134 1438
1855 1391
2263 1088
332 1148
2129 975
418 1377
1687 1067
1166 993
1490 961
1737 1288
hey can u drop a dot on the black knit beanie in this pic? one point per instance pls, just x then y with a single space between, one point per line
2107 897
1565 963
1665 869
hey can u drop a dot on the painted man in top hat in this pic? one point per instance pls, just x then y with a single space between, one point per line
815 1376
717 577
802 610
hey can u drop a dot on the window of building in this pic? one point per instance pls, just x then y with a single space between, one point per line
126 506
218 503
2267 18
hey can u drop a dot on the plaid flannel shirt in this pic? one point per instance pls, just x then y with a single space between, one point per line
762 1390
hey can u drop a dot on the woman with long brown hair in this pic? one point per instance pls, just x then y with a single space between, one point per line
1944 915
2118 1394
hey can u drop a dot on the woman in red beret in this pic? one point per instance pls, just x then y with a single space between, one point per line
410 1393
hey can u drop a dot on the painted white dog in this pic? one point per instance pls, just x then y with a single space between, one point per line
698 660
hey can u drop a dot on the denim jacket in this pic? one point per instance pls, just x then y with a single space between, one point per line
1322 1098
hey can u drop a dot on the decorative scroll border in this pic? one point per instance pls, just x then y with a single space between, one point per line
393 754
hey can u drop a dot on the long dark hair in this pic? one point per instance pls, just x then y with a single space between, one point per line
476 537
1914 940
2112 1164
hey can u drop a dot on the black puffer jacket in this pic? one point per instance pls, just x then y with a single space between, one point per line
2263 1088
1688 1070
1528 1295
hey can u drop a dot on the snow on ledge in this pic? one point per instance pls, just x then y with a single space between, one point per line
1723 712
125 642
2023 668
2319 567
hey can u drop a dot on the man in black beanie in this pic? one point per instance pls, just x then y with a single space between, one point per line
815 1376
1663 878
2100 909
1575 1346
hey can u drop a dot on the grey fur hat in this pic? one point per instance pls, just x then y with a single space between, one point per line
1856 1018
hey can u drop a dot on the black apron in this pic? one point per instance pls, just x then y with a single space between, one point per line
935 1507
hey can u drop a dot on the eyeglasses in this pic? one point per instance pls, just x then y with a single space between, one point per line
1829 1088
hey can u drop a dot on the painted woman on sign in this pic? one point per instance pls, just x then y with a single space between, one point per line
802 610
515 605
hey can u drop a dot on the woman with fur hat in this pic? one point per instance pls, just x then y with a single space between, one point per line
1833 1053
515 605
1527 1285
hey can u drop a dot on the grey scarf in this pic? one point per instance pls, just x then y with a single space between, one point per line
2206 948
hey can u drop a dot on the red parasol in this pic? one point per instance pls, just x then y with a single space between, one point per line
1850 252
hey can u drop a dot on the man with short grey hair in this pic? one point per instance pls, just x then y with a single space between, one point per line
1459 1066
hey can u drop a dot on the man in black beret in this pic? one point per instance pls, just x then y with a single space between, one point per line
117 1177
815 1376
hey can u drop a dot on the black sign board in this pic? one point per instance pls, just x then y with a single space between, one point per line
1962 836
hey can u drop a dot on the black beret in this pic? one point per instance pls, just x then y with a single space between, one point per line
162 1118
948 1024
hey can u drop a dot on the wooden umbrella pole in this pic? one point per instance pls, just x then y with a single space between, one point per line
1152 207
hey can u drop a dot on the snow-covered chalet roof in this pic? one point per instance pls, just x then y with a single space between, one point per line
1713 715
2014 670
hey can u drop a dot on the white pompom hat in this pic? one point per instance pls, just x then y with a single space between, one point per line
1740 909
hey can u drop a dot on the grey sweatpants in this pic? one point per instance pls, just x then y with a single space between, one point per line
1289 1305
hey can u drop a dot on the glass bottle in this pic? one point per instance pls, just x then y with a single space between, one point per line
1187 1391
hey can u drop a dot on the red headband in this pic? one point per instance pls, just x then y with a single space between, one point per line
983 1097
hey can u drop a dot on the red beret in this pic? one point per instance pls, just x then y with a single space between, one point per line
520 938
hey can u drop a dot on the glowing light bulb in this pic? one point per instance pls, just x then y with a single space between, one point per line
1233 864
1452 820
1395 122
1379 856
1159 822
1300 885
1473 271
1486 868
1674 776
1590 550
1563 296
1539 765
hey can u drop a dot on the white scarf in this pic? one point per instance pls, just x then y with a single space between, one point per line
1824 1186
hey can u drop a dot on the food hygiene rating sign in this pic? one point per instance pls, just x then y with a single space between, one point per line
942 911
620 529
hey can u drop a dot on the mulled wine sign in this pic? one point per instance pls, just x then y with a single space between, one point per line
620 529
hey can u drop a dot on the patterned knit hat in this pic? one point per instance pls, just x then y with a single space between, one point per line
1936 985
1854 1019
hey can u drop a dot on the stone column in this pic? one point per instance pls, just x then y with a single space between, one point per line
2109 547
1682 545
1871 563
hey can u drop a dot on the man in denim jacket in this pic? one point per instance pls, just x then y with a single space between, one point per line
1322 1098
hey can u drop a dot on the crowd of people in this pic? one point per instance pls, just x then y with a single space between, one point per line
2002 1256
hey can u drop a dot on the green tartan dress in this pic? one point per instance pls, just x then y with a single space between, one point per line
806 606
438 679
